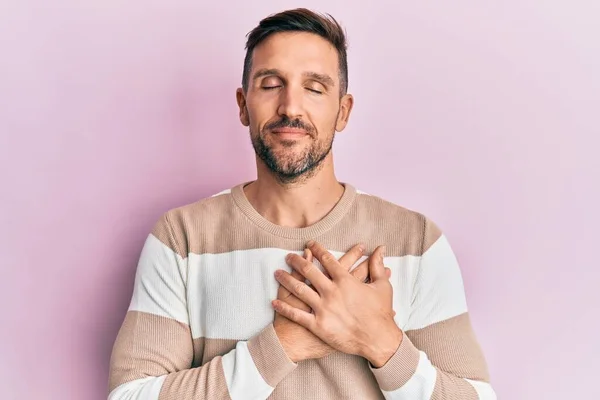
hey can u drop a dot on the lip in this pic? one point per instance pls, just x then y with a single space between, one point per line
290 133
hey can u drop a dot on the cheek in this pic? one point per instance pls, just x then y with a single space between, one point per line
324 117
260 112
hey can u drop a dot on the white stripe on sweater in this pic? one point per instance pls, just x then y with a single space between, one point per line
484 390
244 381
228 295
139 389
439 292
159 282
420 386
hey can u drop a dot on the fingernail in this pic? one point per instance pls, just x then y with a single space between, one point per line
310 243
277 273
361 247
288 257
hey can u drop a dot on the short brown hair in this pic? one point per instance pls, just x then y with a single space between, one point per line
299 20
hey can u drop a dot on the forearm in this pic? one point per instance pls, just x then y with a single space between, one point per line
439 357
154 351
410 375
251 370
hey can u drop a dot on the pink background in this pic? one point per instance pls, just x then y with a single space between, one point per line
483 116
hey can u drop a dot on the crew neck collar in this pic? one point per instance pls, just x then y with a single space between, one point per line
306 233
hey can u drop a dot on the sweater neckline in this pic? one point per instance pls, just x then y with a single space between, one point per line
306 233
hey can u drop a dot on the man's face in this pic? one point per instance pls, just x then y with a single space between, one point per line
293 104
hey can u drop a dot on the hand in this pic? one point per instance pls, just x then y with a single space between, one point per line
298 342
349 315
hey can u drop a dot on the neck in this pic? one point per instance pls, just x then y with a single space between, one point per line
298 204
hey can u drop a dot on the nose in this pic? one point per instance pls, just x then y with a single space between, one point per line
290 102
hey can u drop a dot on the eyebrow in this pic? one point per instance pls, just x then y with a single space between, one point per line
323 78
265 72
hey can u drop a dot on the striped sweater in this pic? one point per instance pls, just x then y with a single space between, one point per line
199 325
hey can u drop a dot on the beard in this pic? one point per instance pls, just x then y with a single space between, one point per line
287 164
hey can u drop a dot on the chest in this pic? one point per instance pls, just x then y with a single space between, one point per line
229 294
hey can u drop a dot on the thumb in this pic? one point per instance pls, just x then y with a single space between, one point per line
376 268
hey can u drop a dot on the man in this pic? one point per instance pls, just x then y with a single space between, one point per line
266 290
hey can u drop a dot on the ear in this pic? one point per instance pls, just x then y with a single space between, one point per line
241 101
346 103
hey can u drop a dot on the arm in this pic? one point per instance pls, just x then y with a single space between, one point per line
439 356
153 353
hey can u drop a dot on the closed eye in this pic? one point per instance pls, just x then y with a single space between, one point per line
271 87
314 91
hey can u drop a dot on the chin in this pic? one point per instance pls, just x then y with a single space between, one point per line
289 160
287 156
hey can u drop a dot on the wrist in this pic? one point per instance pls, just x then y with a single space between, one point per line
269 356
287 343
288 347
381 351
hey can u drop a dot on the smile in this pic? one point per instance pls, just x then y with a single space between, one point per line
289 133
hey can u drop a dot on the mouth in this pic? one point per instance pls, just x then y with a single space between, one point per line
289 133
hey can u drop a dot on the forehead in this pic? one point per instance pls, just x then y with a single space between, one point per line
296 52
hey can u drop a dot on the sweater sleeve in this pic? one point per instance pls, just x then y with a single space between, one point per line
153 354
439 357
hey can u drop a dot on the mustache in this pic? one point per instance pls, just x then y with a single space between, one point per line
285 122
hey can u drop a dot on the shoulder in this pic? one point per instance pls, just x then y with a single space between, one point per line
178 225
390 215
199 210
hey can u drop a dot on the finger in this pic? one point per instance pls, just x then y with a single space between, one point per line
308 255
352 256
297 275
376 268
362 271
309 271
300 317
296 302
327 260
284 294
388 272
290 298
298 288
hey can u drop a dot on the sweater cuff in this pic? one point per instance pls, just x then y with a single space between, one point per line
399 368
269 356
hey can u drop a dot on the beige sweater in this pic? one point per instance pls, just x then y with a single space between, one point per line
199 325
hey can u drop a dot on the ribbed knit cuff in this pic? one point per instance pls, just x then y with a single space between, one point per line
269 356
399 368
